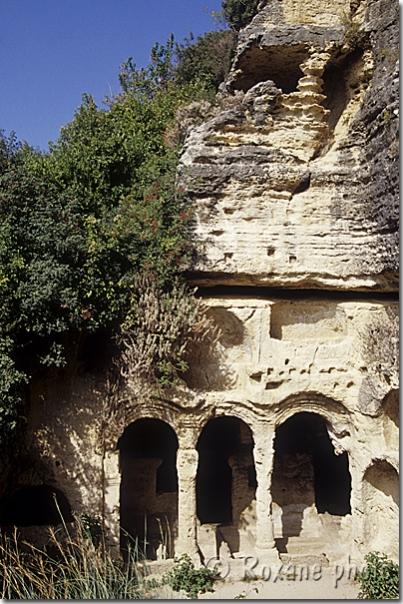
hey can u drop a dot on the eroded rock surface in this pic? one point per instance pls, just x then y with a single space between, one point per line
296 184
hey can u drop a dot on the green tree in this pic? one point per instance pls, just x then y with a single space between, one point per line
208 57
79 225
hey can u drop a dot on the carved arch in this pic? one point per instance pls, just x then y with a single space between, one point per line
333 412
236 410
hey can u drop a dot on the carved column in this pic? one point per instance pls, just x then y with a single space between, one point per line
263 455
111 486
186 464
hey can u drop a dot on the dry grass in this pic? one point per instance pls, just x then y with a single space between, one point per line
68 569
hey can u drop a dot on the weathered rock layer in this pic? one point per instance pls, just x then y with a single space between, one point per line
295 184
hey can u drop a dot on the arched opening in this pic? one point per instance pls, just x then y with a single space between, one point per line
226 483
381 508
308 479
36 506
149 488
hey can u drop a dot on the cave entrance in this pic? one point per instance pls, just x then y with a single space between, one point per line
308 477
149 488
226 481
280 64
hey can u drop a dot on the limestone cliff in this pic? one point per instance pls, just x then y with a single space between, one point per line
296 184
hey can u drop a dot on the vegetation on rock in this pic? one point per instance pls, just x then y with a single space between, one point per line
238 13
207 57
380 578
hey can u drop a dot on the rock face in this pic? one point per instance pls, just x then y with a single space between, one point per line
282 442
293 172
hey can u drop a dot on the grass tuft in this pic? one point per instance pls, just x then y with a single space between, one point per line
67 569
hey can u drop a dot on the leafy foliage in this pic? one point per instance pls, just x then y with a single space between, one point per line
185 577
238 13
79 225
94 234
380 578
207 58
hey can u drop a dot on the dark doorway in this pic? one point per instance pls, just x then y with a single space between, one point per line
36 506
149 487
226 479
307 470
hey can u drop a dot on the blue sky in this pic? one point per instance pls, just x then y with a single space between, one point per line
53 51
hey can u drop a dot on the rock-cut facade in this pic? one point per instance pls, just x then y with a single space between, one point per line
282 442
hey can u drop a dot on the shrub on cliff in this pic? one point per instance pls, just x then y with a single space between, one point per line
239 13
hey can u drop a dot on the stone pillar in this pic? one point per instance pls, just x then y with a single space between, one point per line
186 464
111 486
357 465
266 550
